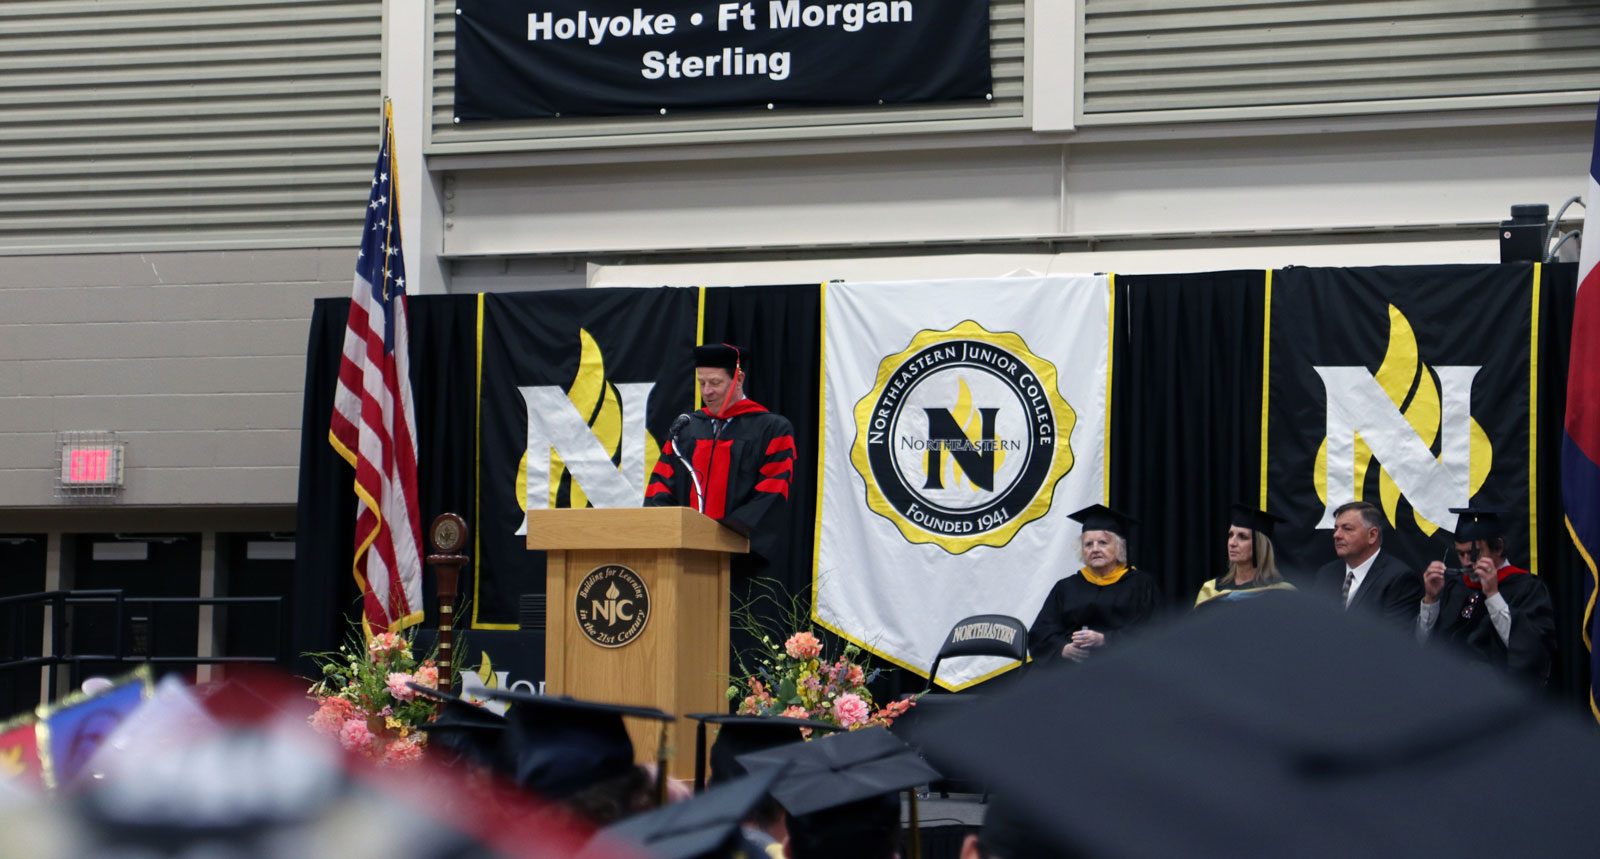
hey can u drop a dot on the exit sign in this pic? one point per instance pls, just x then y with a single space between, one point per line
92 466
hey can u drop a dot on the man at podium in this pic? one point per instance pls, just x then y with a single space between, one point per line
732 460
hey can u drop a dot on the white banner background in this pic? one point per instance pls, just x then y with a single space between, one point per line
900 599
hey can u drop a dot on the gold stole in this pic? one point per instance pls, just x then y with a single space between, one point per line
1110 578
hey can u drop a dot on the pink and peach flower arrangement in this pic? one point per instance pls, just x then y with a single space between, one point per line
797 680
364 703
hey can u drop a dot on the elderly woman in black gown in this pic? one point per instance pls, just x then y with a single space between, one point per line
1100 602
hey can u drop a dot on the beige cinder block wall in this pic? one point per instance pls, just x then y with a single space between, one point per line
195 359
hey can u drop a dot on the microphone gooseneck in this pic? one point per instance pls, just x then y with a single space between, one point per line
677 450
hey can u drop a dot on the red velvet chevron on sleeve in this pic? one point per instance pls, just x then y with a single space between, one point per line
778 468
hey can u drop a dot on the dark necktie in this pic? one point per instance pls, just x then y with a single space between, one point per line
1349 579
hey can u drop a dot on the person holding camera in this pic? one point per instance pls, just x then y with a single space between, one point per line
1497 611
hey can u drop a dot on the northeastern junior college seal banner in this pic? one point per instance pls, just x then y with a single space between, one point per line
962 421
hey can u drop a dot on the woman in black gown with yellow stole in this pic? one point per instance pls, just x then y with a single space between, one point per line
1101 602
1252 563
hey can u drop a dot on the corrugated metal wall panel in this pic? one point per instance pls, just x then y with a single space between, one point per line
176 124
1007 29
1150 60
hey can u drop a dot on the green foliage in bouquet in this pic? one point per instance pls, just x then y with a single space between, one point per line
364 702
789 674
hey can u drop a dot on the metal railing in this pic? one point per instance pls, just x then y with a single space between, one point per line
60 654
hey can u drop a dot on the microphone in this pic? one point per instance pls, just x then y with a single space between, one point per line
677 450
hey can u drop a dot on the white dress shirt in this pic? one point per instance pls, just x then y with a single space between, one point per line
1499 616
1360 572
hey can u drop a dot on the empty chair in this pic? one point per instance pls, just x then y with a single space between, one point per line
983 635
978 635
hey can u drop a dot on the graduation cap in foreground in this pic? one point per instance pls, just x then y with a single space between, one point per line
1246 516
464 731
1323 733
842 768
251 779
1006 835
170 719
843 790
706 826
1098 517
738 735
1478 523
558 746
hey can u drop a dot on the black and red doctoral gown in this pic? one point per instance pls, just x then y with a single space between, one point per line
745 460
1464 621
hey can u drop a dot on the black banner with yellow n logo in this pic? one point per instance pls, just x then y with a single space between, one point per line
577 391
1411 388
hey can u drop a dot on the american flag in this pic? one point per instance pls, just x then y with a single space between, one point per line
374 424
1580 446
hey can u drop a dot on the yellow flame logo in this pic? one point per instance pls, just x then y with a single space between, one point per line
1401 375
972 427
486 672
596 399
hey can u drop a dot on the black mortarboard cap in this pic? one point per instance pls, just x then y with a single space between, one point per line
464 731
724 355
842 768
704 827
558 746
1098 517
1478 523
1007 836
738 735
1345 736
1247 516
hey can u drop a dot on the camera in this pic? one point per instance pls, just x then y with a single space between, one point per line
1465 570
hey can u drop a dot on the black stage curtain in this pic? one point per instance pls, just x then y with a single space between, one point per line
443 330
782 328
1560 567
1185 418
324 594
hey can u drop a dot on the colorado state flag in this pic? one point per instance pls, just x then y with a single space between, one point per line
1580 444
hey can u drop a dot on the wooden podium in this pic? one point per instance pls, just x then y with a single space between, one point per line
607 568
